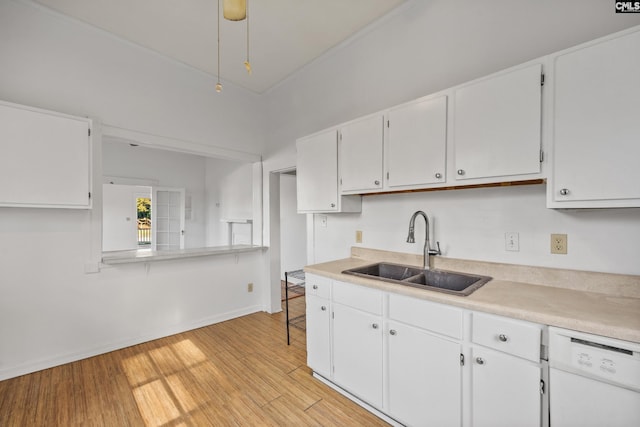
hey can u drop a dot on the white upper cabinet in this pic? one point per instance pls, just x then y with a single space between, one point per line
45 158
361 149
497 125
417 143
596 125
317 175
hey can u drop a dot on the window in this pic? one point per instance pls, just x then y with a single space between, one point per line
192 199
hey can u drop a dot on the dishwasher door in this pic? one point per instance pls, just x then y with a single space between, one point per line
577 401
593 380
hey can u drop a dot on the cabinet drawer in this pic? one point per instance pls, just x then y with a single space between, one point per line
431 316
318 286
514 337
359 297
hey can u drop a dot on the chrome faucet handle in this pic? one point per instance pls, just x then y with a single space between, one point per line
435 251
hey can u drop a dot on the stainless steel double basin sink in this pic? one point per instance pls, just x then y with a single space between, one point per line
450 282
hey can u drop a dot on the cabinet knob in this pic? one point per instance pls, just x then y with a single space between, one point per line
438 175
392 332
333 205
460 172
564 192
376 182
479 360
323 308
374 326
315 286
503 338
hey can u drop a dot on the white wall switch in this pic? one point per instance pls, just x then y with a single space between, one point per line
511 241
323 220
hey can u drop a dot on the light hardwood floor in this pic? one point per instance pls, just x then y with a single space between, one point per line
235 373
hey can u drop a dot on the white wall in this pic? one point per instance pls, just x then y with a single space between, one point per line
51 311
470 224
430 46
57 63
293 228
229 195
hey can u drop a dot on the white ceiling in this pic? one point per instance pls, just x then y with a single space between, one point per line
284 34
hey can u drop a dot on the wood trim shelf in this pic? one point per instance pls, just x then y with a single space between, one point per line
463 187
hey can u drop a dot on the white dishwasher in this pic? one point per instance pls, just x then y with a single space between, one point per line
593 380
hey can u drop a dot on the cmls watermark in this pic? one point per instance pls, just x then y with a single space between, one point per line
627 7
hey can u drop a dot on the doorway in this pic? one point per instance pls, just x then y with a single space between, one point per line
287 232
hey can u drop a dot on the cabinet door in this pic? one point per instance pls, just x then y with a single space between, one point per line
505 390
497 125
361 154
317 173
45 159
318 335
357 353
596 124
424 377
417 141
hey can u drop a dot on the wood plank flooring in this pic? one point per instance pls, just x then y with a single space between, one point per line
235 373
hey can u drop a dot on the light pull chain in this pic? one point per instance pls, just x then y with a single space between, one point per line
247 64
218 84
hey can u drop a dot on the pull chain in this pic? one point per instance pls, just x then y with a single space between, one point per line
218 84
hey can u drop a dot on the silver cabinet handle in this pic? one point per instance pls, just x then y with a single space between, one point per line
376 182
564 192
393 332
460 172
503 338
374 326
315 286
323 308
479 360
438 175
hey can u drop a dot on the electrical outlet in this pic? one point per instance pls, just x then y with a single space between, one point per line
249 287
558 243
511 241
323 220
358 236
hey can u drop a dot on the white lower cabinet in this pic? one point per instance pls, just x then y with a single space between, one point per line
318 335
505 390
422 363
506 372
357 353
424 377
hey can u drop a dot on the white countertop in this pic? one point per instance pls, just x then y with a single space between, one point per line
598 303
145 255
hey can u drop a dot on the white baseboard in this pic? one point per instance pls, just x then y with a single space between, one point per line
365 405
50 362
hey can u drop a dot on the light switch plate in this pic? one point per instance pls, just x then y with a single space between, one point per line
358 236
511 241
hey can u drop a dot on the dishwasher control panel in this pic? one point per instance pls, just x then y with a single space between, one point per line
609 359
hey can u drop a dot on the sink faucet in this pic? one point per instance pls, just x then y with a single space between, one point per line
427 245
